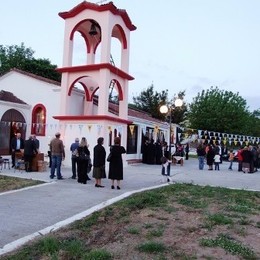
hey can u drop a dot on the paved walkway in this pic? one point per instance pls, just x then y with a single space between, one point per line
30 212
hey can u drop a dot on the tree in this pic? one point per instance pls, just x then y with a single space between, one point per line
179 113
253 125
150 101
22 58
220 111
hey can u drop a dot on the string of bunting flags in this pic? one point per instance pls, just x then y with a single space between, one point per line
206 136
59 126
188 134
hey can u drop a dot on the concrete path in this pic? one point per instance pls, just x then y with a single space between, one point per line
30 212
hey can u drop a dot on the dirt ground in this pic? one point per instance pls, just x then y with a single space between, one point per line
180 231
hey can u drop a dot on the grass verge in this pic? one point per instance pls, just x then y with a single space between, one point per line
8 183
202 223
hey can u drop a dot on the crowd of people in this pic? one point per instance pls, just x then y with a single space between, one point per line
24 149
248 157
152 152
81 161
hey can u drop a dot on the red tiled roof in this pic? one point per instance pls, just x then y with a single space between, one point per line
10 97
99 8
113 108
142 115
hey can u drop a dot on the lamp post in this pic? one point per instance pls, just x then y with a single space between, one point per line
164 109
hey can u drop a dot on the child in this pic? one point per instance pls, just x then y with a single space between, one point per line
231 159
217 161
166 164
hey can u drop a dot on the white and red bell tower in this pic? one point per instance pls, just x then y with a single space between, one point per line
98 25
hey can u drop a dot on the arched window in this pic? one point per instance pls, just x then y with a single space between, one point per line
38 120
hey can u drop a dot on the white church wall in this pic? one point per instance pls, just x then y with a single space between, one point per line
76 100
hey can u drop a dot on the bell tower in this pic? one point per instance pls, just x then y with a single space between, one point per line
97 25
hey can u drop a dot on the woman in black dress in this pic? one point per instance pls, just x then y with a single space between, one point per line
83 159
99 162
116 163
210 157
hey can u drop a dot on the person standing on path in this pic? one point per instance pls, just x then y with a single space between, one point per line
210 157
30 150
231 159
201 155
240 159
57 155
187 150
247 159
99 162
83 160
217 161
74 163
37 142
165 162
116 163
17 146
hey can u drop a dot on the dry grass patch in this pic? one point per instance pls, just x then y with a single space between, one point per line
8 183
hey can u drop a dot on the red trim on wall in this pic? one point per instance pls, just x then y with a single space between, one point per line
83 34
100 66
87 95
122 34
34 119
96 118
119 89
99 8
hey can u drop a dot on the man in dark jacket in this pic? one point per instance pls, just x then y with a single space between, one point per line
17 146
30 150
74 161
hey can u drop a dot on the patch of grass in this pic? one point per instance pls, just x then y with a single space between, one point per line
49 245
158 232
193 203
74 248
229 245
240 208
151 247
8 183
148 225
170 209
133 230
87 222
27 252
219 219
243 201
124 212
244 221
98 254
108 211
147 199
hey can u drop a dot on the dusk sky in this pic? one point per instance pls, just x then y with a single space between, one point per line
178 45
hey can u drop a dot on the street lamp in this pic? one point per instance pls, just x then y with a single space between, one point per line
164 109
